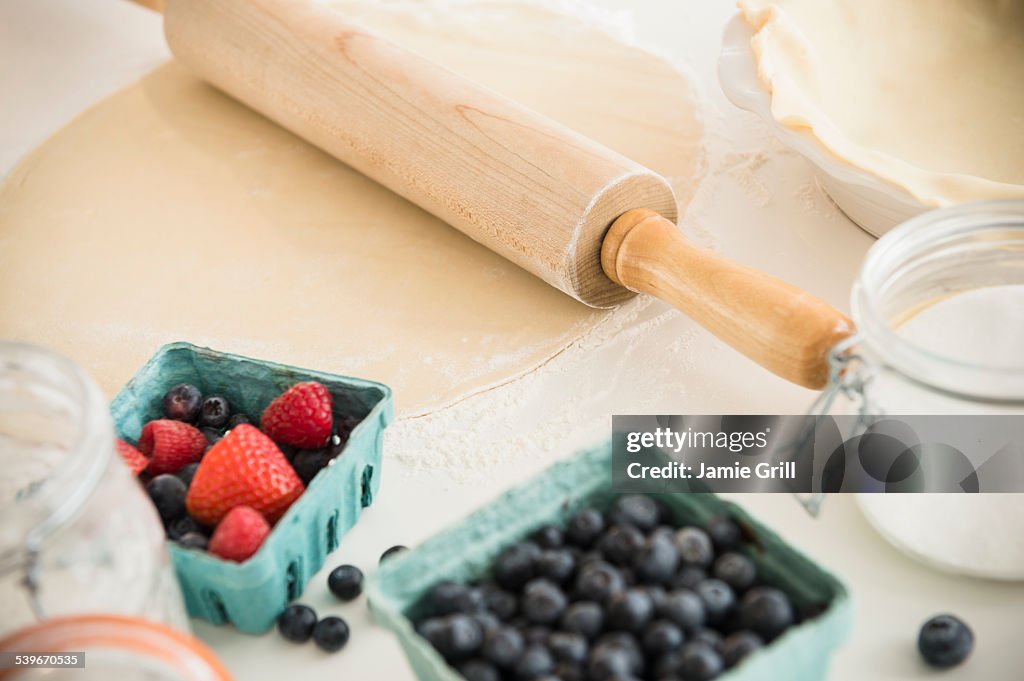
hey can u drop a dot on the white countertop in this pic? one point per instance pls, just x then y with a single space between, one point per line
59 56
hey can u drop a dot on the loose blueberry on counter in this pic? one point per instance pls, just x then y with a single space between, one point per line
168 495
514 566
945 641
331 634
738 645
503 647
699 662
193 540
724 532
660 637
630 610
296 623
766 611
535 662
584 528
393 551
456 637
718 598
182 403
695 547
345 582
598 581
187 472
237 420
621 543
543 602
479 670
583 617
736 570
549 537
214 412
637 510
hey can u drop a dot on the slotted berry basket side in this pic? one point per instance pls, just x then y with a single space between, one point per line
465 552
250 595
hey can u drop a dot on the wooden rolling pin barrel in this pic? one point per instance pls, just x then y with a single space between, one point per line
576 214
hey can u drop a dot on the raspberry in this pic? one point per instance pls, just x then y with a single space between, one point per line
135 459
300 417
170 445
239 535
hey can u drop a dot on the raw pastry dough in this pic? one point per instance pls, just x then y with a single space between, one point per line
927 94
170 212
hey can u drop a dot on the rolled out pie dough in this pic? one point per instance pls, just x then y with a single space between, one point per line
171 212
926 94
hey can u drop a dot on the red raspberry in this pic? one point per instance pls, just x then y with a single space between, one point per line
244 469
135 459
239 535
170 445
301 417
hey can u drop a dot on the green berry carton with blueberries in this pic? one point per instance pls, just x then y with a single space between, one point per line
562 578
257 469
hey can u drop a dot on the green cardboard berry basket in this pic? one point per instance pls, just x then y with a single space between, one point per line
464 552
250 595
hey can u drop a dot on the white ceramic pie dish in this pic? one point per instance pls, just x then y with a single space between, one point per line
873 203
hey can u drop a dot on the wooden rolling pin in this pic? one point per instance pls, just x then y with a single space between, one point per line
576 214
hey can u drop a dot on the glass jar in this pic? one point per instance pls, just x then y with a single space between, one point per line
114 647
78 533
939 308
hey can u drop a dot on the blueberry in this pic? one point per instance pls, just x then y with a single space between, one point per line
629 644
182 402
308 462
666 667
630 610
945 641
555 564
598 581
346 582
549 537
393 551
583 617
446 597
456 637
724 532
212 435
688 577
237 420
584 528
658 596
500 602
535 662
766 611
567 647
536 635
736 570
486 620
699 662
738 645
503 646
479 670
514 567
187 472
331 634
660 637
695 547
637 510
193 540
609 661
657 560
168 495
685 608
565 671
543 602
709 636
620 543
182 525
214 412
296 623
718 599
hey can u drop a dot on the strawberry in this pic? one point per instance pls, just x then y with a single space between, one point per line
239 535
135 459
169 445
300 417
245 468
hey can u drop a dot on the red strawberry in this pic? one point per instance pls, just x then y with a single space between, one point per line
239 535
135 459
301 417
170 445
245 468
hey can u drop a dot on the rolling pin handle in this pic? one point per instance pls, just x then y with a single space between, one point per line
784 329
